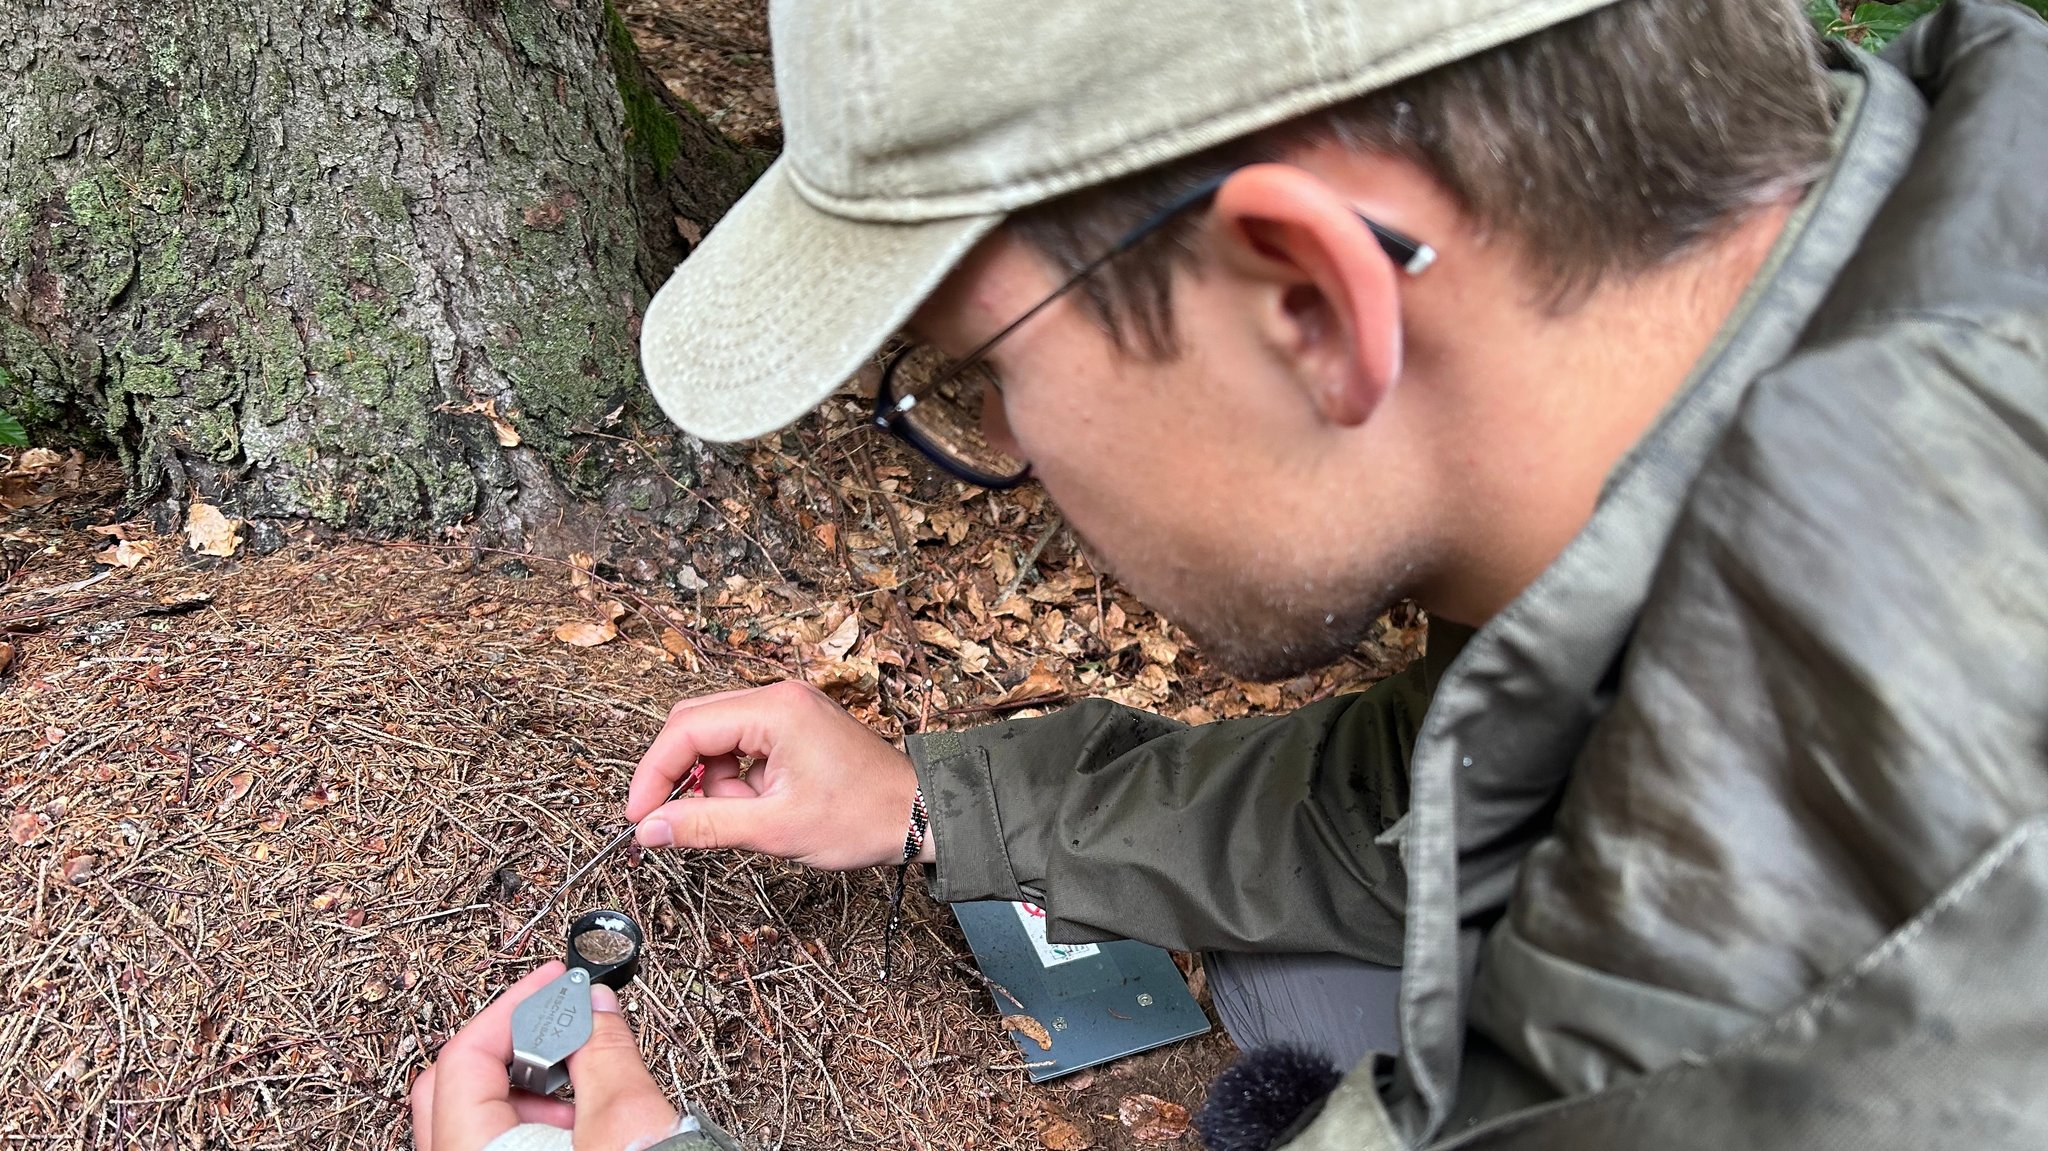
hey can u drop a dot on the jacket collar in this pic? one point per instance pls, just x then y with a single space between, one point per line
1515 705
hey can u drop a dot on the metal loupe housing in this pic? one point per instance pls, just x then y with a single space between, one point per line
554 1023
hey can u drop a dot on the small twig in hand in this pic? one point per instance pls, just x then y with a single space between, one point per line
619 839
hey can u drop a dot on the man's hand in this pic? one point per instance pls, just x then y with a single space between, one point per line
466 1099
823 790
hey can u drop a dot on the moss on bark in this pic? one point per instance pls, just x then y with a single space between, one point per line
298 259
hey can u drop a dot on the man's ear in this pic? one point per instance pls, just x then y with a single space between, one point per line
1321 290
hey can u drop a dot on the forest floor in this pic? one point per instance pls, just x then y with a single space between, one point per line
273 821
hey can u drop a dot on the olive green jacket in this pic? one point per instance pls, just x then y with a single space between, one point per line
1732 830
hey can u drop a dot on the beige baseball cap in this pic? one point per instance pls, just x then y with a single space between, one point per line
913 127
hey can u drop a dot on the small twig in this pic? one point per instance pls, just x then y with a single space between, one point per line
360 934
1010 705
1030 561
618 840
990 983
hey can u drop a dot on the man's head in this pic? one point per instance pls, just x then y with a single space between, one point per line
1255 417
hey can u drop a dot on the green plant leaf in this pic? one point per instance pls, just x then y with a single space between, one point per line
1826 16
1881 23
12 434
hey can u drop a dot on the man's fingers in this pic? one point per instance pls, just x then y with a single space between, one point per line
710 822
747 723
423 1111
616 1097
722 778
470 1070
738 723
546 1109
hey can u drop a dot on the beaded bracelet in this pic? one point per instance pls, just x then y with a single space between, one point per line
913 842
920 823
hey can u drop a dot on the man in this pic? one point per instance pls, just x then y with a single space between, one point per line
1696 385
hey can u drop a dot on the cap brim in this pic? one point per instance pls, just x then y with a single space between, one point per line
781 303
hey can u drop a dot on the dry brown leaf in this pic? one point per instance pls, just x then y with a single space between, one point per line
1152 1119
1158 648
1030 1028
936 634
508 436
316 798
327 900
238 786
973 657
678 645
1041 684
38 460
6 657
78 868
127 553
827 535
24 826
111 531
580 564
209 532
274 822
1062 1134
587 634
834 647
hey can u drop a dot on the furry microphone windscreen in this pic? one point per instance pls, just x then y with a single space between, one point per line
1268 1094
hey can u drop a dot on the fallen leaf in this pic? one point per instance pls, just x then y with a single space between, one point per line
79 868
835 646
38 460
24 826
316 798
587 634
936 634
678 645
1158 648
1152 1119
508 436
1060 1134
126 554
111 531
6 657
327 900
690 230
580 564
1041 684
238 786
1030 1028
374 989
274 822
209 532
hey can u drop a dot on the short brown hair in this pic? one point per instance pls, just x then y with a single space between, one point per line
1604 145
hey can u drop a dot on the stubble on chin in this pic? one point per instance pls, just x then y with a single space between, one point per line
1252 626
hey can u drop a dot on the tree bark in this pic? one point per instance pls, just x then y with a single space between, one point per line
374 263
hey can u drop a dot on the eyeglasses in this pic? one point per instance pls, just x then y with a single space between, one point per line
935 404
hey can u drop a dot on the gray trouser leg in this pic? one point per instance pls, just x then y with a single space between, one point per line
1338 1007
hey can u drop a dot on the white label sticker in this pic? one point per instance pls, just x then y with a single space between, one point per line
1050 954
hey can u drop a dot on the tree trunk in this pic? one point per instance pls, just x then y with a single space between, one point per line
374 263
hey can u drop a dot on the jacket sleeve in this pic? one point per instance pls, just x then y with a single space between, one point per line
1259 834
